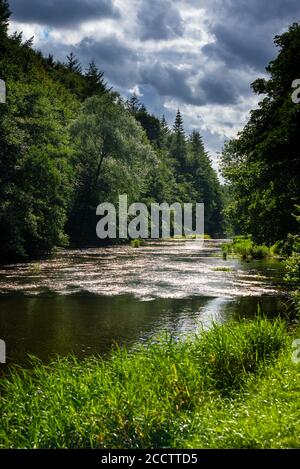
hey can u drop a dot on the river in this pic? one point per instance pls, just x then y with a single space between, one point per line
86 301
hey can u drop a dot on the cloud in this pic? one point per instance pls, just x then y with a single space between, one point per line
136 91
238 47
62 13
170 81
159 20
199 55
244 30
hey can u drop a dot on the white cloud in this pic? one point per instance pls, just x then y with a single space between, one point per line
136 91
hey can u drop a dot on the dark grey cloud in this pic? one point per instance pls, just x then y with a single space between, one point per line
159 20
170 81
244 30
219 86
225 87
238 46
219 89
62 13
262 11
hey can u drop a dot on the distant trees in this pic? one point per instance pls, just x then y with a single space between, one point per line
206 183
184 171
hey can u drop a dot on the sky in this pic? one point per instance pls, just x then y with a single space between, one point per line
197 55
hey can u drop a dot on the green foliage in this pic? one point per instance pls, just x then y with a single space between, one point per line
246 248
292 265
206 185
208 391
95 80
68 143
36 176
293 268
262 164
113 157
4 16
137 243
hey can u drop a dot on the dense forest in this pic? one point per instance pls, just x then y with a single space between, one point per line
69 142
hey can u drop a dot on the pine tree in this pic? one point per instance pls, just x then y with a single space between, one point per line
133 104
73 63
206 183
50 60
196 146
178 125
95 80
164 124
179 147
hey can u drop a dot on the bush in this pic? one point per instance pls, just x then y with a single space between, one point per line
137 243
244 247
260 252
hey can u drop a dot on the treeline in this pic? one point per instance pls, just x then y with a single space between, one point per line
68 142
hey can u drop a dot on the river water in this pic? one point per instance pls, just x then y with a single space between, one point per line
86 301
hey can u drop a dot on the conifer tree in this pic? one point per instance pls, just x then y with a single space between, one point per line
73 63
179 147
133 104
95 80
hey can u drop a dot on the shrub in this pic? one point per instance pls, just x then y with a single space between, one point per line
244 247
137 243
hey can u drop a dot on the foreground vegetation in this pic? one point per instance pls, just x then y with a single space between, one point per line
234 386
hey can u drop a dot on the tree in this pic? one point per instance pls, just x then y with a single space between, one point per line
178 146
113 156
73 63
206 184
95 80
36 174
263 164
178 124
133 104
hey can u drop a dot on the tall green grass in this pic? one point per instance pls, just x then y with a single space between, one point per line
233 386
245 248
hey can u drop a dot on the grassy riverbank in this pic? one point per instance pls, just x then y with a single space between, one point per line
236 386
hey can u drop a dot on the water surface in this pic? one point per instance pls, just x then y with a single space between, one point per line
85 301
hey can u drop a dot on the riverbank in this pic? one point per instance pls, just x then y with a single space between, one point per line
236 386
